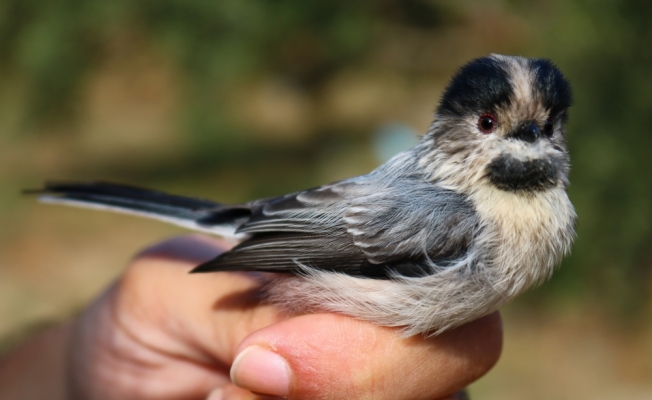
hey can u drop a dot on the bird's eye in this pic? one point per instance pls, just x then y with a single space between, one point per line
548 128
487 123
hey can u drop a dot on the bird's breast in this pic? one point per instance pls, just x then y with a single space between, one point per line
525 234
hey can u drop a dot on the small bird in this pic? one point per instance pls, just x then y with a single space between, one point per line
442 234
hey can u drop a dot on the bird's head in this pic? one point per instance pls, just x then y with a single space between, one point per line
501 122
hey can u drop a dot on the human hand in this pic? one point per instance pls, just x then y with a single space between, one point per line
160 333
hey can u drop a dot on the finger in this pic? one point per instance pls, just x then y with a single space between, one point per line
200 316
327 356
158 328
113 359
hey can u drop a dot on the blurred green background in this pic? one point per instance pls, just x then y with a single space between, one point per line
237 99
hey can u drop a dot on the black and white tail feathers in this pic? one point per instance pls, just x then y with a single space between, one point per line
187 212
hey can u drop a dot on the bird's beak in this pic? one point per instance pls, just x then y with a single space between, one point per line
527 132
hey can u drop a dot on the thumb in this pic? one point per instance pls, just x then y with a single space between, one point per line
328 356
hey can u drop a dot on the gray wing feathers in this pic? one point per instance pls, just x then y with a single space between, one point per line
349 225
411 219
313 211
289 251
295 231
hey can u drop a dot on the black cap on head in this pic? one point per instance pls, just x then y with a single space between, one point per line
554 89
484 84
480 85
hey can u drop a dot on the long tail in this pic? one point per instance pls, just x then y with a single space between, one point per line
195 214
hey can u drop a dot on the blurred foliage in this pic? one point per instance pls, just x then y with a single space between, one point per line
217 42
218 48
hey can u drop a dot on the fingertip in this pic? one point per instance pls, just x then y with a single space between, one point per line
261 370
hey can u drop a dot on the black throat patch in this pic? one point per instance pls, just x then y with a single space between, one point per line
510 174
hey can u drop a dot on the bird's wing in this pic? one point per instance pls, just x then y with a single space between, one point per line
411 225
300 229
357 228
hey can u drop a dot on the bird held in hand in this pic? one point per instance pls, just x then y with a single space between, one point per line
440 235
